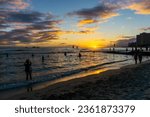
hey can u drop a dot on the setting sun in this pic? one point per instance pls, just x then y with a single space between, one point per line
94 46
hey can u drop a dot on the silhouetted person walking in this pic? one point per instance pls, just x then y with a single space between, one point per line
28 69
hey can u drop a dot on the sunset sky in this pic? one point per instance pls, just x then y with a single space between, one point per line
86 23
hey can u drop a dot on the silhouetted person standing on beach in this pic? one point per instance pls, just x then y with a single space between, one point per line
140 57
28 69
135 57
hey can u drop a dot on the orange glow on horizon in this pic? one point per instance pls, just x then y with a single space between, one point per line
92 44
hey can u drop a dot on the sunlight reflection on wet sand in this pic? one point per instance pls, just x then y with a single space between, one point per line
81 75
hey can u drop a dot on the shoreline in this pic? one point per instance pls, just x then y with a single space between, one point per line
112 84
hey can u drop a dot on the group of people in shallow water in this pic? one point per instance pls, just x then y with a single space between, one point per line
138 56
28 64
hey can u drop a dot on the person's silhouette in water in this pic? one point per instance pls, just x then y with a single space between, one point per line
32 55
42 58
28 69
7 55
65 53
79 55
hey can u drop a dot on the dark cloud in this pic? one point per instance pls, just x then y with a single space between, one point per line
46 38
28 17
14 4
125 37
3 26
21 26
8 17
33 19
37 32
25 36
125 42
44 25
100 11
22 36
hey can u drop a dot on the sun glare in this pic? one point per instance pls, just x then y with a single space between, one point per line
94 47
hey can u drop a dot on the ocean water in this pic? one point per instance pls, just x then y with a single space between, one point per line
55 66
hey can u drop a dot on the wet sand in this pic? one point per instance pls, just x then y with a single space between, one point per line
131 82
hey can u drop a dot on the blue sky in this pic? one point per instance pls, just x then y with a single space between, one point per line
87 23
60 7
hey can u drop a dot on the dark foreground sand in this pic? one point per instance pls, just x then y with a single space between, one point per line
128 83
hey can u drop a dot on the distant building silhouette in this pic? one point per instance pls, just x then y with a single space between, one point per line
143 40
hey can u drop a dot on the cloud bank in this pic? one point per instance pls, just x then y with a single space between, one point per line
21 26
107 9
